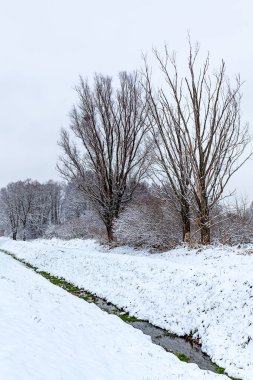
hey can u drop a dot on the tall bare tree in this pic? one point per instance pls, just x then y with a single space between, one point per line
199 124
110 127
172 169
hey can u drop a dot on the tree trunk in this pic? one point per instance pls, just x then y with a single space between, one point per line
186 229
109 230
14 236
205 234
205 226
185 216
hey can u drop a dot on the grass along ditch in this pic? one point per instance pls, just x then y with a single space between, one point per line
185 348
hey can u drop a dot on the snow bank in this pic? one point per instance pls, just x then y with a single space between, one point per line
208 293
49 334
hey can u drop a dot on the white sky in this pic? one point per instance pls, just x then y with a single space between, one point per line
46 44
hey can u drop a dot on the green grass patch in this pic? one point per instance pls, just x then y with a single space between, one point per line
127 318
59 281
221 371
170 334
85 298
183 358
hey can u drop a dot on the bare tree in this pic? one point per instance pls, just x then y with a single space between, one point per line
74 202
26 193
203 116
46 210
28 207
172 169
54 191
11 207
110 127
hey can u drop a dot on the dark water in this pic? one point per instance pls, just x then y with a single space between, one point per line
176 344
170 342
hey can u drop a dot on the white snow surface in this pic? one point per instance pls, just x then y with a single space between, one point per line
48 334
207 292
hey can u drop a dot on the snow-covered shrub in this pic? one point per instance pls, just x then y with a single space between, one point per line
83 227
149 222
232 224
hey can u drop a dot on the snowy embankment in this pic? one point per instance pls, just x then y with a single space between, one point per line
46 333
207 293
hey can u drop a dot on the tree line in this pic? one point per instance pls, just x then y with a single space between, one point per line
29 210
140 148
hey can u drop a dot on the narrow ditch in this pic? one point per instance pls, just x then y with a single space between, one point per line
185 348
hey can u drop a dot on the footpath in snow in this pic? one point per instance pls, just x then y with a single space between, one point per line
207 293
48 334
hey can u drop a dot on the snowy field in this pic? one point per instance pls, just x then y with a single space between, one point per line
48 334
208 293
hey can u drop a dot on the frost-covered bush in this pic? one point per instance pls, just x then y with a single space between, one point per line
83 227
149 222
232 224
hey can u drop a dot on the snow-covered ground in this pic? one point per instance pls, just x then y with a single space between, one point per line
208 293
48 334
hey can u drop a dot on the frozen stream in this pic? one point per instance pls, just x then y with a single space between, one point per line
170 342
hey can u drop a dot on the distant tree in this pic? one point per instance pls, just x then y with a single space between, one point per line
26 198
28 207
108 158
54 191
46 210
74 202
11 207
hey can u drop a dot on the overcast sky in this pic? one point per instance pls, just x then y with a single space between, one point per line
47 44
